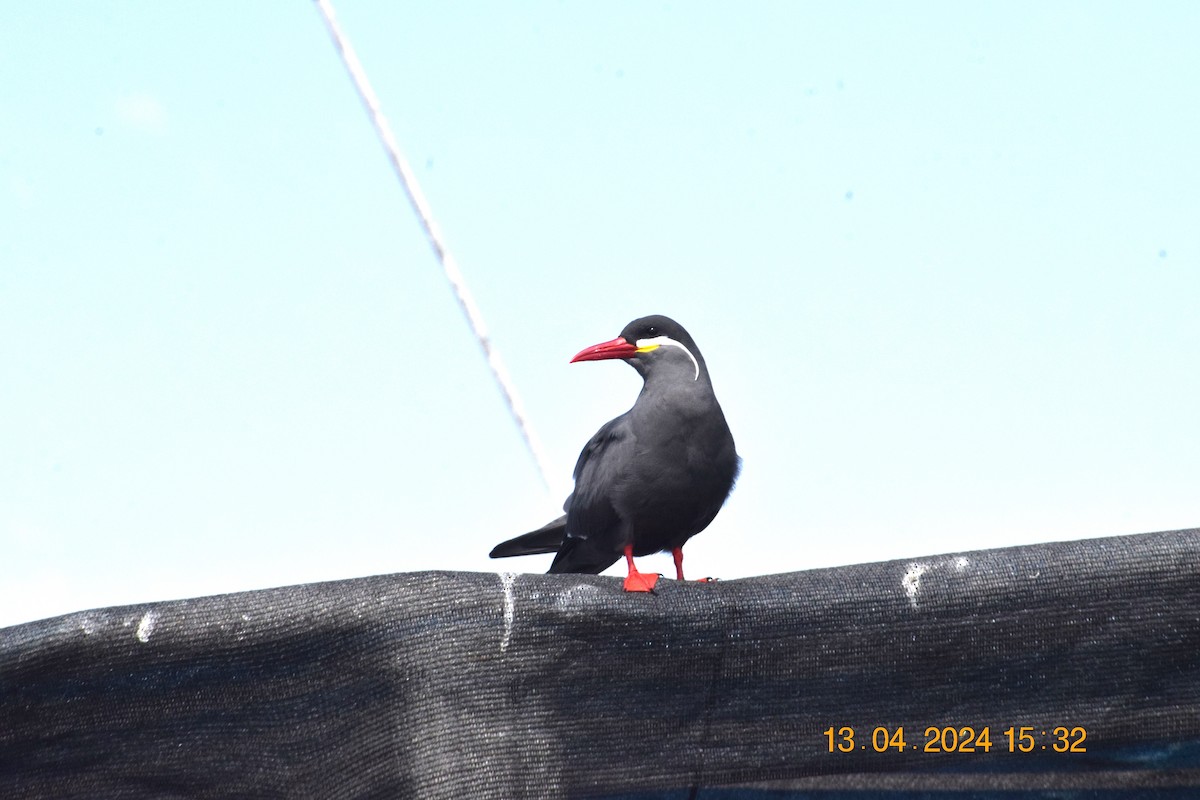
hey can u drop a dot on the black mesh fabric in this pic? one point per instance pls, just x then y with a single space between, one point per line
512 686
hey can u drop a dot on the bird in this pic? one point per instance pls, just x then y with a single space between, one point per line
652 478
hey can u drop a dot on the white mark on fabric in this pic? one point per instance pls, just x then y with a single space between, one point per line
912 581
146 627
507 580
569 600
912 578
667 341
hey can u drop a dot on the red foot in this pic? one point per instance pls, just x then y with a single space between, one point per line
637 581
677 554
640 582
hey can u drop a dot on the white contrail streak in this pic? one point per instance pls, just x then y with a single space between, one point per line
421 206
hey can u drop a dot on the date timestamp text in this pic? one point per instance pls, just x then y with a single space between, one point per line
950 739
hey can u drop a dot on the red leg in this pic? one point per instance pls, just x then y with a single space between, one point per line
637 581
677 553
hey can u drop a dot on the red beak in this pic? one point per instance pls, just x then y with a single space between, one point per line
617 348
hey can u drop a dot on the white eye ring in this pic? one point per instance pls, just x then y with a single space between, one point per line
667 341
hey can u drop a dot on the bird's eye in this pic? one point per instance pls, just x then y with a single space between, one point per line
652 330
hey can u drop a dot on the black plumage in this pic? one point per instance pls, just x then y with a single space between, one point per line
655 476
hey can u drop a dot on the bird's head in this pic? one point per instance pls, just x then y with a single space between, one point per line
655 343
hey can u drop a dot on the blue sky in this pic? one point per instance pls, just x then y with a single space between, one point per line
943 260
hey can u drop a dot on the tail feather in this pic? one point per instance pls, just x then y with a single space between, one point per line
577 555
572 555
546 539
